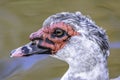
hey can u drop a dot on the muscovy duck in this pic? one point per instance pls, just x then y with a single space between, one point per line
75 39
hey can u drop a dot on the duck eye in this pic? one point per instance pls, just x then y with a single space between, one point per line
58 33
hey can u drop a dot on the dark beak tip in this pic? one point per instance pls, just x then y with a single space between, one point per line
15 53
12 52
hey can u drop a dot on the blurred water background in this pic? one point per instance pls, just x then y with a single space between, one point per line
19 18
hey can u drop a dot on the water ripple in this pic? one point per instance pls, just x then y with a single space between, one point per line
12 66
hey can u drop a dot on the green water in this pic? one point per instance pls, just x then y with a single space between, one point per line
19 18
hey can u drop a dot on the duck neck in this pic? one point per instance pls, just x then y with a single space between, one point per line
88 69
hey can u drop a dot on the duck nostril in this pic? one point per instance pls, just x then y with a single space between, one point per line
33 43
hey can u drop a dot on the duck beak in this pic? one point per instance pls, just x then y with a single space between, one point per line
29 49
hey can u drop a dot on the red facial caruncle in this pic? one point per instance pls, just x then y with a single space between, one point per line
54 36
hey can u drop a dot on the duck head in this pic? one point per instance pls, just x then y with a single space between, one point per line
71 37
